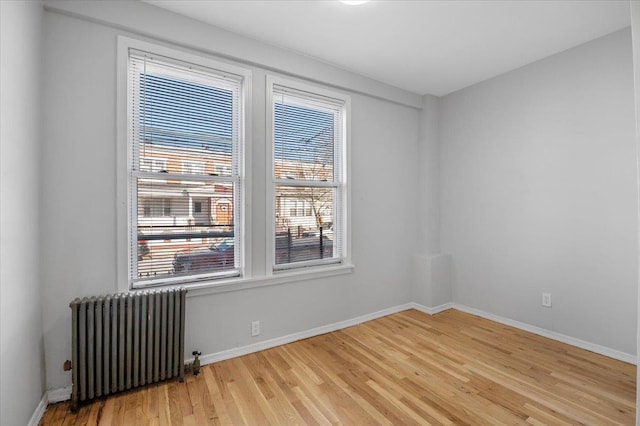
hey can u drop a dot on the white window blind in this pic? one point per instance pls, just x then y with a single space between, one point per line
308 144
184 122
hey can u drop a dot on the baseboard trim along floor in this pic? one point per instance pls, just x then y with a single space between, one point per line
63 394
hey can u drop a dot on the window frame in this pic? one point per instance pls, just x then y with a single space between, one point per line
126 201
343 186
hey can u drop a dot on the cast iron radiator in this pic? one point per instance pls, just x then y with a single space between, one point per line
126 340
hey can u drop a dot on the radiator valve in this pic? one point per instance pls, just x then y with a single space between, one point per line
196 362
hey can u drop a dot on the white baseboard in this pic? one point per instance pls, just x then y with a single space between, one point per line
278 341
64 394
431 311
602 350
39 411
59 395
244 350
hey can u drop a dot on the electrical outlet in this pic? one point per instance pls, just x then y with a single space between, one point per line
546 300
255 328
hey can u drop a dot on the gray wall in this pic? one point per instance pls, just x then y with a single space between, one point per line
79 190
538 187
528 180
22 356
429 176
431 285
635 27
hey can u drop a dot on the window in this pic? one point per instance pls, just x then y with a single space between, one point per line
153 164
192 167
222 170
156 207
308 174
179 111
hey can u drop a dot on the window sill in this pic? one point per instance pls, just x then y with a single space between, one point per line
236 284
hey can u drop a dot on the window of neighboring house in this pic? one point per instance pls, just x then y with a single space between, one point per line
192 167
222 170
179 110
156 207
153 164
308 153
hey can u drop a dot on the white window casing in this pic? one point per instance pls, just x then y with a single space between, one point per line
308 185
184 115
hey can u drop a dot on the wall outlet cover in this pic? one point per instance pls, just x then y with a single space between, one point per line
255 328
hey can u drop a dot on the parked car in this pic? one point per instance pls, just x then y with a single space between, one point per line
221 256
215 257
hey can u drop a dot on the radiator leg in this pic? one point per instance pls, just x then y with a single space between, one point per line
74 404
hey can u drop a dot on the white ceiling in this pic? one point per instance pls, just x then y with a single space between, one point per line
434 47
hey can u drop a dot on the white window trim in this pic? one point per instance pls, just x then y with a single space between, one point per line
283 277
271 183
123 211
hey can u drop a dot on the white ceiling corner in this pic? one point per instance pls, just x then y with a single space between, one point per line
434 47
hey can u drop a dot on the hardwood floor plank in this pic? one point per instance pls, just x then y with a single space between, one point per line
246 385
48 418
176 413
278 403
152 401
545 415
83 415
164 414
130 406
408 368
341 382
95 413
203 408
106 415
223 379
218 408
307 391
69 417
142 416
186 406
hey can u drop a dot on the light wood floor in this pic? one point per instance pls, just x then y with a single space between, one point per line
407 368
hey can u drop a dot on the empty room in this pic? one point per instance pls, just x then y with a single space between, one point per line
319 212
